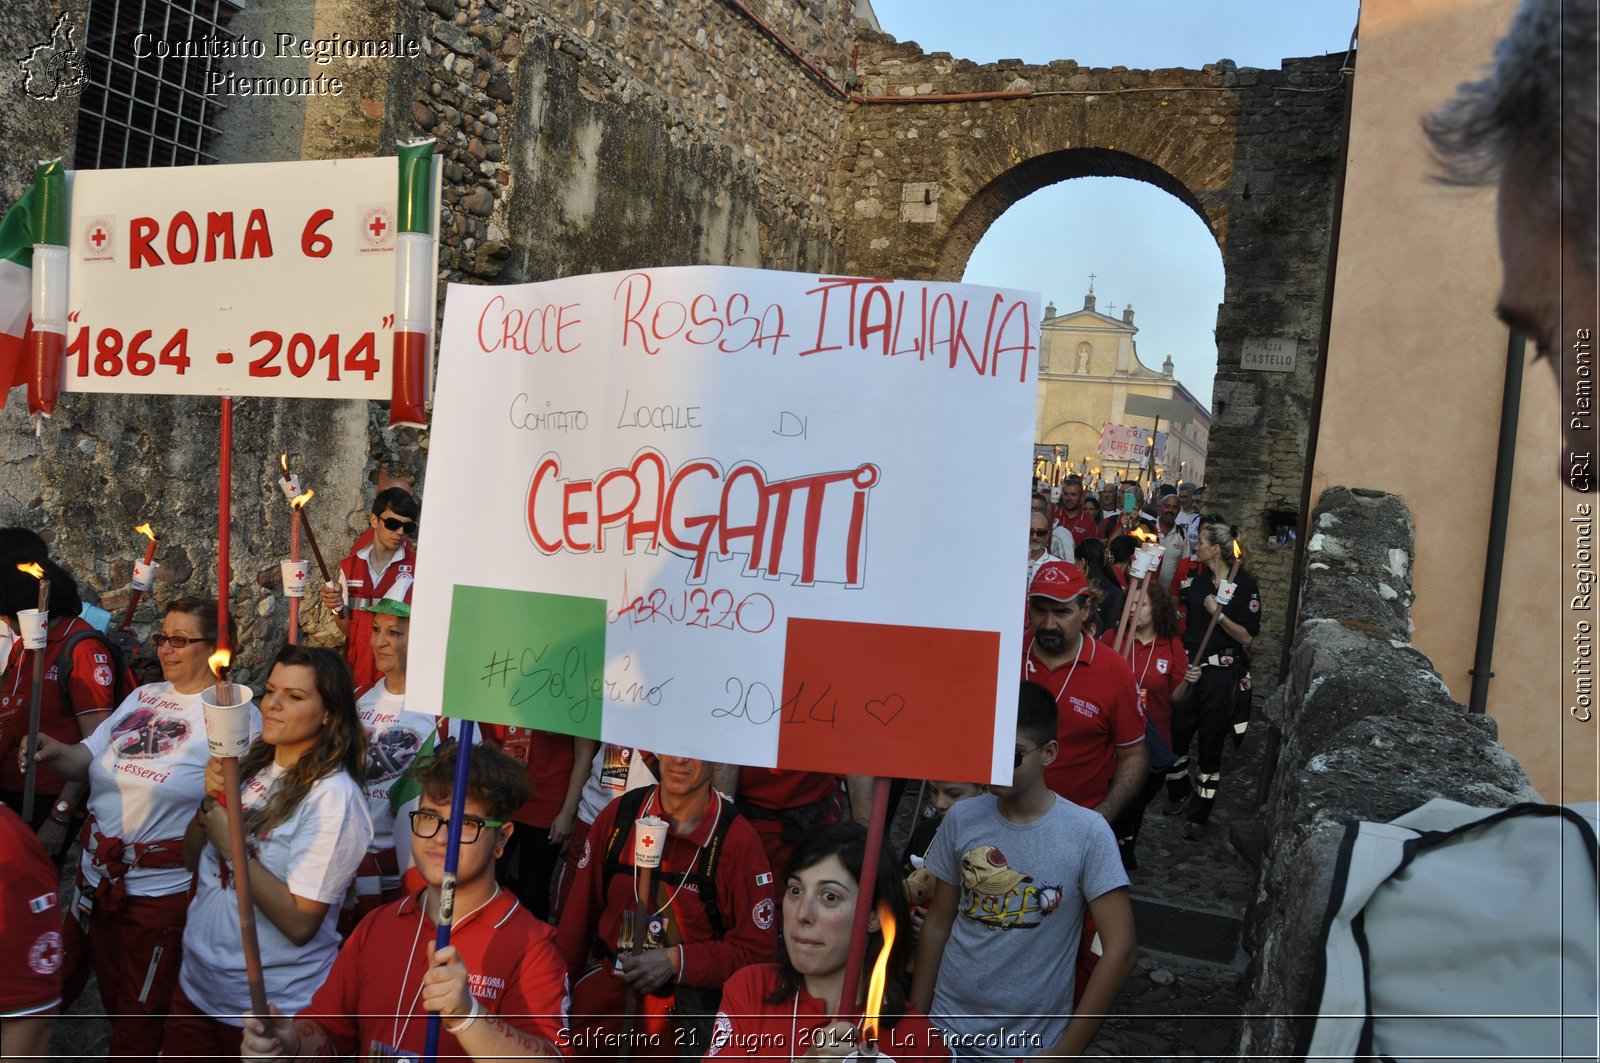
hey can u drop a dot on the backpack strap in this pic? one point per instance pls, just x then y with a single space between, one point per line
703 874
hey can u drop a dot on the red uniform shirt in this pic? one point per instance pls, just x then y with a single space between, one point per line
1099 713
747 1027
30 922
597 910
370 1003
1158 668
93 689
357 576
1080 524
549 759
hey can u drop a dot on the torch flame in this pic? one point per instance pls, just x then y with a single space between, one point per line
1143 536
299 500
33 570
1236 550
219 662
283 459
880 976
146 531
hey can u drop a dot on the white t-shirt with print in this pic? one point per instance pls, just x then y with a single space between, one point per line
316 852
616 770
394 738
147 777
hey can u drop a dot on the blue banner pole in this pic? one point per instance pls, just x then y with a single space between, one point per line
452 857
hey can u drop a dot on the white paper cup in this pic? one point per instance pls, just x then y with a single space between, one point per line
1225 592
144 575
227 726
290 487
1141 565
295 575
649 838
34 624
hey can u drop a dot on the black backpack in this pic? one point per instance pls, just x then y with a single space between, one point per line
702 874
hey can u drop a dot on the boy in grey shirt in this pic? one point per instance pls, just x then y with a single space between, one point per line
1016 868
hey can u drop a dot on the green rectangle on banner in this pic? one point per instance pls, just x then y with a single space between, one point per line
526 658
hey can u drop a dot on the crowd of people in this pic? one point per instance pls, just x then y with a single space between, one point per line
345 801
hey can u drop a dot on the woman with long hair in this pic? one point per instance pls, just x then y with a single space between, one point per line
1221 702
1163 677
307 828
1093 558
789 1009
145 765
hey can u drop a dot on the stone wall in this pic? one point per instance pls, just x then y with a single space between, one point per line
576 137
1369 732
942 147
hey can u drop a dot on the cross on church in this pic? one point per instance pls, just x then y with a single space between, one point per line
1091 282
377 227
1111 306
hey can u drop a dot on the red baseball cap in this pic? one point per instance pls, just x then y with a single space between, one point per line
1059 581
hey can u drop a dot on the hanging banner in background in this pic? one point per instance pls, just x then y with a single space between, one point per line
270 279
762 518
1123 442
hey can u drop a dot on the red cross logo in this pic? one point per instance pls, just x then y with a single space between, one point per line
98 237
648 842
377 227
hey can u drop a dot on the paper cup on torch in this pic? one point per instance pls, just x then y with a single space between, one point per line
144 575
649 838
34 624
1225 591
227 725
295 576
290 487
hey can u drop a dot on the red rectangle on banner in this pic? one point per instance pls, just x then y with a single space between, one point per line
887 699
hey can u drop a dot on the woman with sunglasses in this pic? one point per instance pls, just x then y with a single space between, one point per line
370 572
791 1009
145 765
306 830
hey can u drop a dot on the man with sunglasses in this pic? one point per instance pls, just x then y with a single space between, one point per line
500 987
368 574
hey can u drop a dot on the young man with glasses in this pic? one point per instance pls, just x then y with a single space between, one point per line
367 574
1016 869
499 987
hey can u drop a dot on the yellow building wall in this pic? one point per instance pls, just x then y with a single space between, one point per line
1415 372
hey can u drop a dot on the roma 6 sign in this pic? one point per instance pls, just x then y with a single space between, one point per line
765 518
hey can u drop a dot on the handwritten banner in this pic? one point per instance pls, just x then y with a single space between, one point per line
1129 442
763 518
259 279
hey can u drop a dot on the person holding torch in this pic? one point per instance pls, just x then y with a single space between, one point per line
145 766
791 1009
81 688
306 831
1226 597
499 985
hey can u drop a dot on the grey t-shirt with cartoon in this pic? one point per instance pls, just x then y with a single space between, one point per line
1005 983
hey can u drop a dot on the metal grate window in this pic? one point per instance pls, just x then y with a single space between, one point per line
141 107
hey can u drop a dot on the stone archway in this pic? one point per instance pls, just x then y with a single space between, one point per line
941 147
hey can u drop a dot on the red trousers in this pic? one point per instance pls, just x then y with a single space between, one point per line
135 954
192 1034
598 1023
567 874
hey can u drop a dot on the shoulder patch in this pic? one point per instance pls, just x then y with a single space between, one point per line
45 955
762 913
764 879
1255 605
583 861
102 675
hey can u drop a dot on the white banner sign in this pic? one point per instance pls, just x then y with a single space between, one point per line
762 518
259 279
1123 442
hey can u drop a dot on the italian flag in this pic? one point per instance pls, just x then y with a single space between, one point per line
16 291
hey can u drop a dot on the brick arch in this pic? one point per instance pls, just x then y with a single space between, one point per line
937 148
1029 176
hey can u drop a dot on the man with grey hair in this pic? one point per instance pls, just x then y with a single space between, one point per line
1530 127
